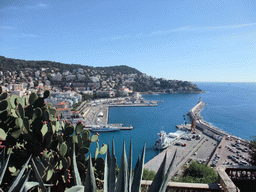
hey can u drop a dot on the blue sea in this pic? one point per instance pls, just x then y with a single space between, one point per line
229 106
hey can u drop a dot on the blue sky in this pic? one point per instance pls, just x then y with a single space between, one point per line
204 40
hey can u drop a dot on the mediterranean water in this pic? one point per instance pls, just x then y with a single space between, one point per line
229 106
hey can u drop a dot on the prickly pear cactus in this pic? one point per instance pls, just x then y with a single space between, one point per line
30 126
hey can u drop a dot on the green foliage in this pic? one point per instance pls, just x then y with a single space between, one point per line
57 157
29 127
198 173
148 174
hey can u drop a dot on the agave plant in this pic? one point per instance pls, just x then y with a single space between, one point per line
128 180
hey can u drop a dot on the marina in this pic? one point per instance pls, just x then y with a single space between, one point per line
95 113
207 145
146 126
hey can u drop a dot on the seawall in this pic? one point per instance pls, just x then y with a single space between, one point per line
205 127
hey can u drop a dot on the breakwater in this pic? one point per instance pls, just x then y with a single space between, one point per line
205 127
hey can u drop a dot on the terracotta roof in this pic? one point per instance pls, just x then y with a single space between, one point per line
61 103
63 109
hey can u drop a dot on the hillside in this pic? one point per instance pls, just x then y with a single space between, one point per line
9 64
87 77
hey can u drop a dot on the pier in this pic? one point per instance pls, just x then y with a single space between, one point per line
214 142
96 113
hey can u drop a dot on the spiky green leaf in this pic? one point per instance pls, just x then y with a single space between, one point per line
139 171
77 178
76 188
3 168
156 184
18 178
90 184
122 181
167 176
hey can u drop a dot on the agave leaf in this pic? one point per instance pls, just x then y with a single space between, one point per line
19 187
156 184
109 170
40 166
3 168
76 188
76 175
130 168
167 176
139 171
18 178
106 171
31 184
90 185
38 176
122 181
112 171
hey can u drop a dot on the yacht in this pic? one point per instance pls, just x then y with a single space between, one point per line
162 141
105 128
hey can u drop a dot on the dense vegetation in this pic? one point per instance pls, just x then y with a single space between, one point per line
8 64
120 75
148 174
198 173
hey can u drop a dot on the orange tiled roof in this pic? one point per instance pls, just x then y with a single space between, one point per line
61 103
63 109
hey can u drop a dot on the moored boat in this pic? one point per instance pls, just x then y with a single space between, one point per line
105 128
162 141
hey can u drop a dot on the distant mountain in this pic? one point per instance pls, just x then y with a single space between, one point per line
9 64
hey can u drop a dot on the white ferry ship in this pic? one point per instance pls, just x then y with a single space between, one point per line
162 142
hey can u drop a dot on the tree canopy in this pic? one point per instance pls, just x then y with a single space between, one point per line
198 173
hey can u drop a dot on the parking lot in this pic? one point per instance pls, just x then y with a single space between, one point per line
231 151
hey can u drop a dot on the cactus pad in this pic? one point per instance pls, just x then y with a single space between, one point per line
32 98
38 112
3 96
63 149
46 94
94 138
103 149
69 130
3 105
